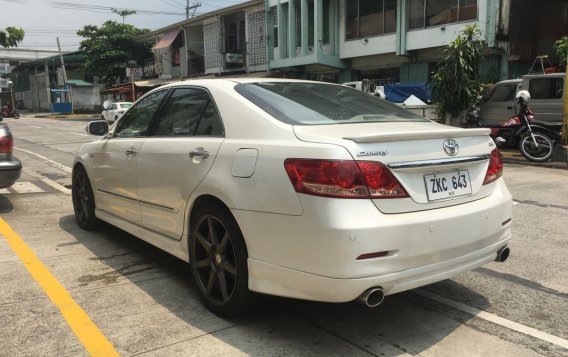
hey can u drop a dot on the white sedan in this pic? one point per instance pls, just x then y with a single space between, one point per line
295 188
114 110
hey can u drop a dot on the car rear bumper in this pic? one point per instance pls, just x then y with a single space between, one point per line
275 280
318 255
10 172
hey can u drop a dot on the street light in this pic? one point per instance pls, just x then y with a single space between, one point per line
10 84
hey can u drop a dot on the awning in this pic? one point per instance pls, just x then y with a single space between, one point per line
167 39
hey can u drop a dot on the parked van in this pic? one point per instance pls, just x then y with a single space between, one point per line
547 98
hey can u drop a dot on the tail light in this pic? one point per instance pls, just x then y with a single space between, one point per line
6 144
343 178
495 169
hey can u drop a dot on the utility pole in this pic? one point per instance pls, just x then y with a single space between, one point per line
65 74
194 6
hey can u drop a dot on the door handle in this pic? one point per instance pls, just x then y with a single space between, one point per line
131 152
201 153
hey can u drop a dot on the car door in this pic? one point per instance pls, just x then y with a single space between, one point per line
176 157
498 104
114 168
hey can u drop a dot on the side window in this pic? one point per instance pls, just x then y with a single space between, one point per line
135 122
503 93
189 112
546 88
113 107
182 112
210 124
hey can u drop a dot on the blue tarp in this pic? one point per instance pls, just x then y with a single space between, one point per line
398 93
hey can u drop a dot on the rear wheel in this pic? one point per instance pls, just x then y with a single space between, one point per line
83 200
103 117
219 261
16 115
537 153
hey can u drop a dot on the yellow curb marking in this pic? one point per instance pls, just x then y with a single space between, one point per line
90 336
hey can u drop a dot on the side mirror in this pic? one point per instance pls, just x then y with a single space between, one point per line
97 127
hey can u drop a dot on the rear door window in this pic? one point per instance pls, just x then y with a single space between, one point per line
189 112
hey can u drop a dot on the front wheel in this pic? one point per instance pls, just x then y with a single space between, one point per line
537 153
219 261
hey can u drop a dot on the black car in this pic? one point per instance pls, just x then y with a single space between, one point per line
10 166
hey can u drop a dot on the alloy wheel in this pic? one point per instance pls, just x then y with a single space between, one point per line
81 197
213 260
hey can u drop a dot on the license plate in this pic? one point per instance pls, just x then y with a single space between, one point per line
447 185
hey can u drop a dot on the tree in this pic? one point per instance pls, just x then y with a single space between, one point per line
108 48
123 13
454 83
561 47
11 37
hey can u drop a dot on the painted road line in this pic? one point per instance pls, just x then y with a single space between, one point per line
55 185
25 187
511 325
33 126
515 203
86 331
72 132
49 161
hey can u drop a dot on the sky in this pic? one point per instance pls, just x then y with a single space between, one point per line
45 20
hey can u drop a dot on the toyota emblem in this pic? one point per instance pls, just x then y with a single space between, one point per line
451 147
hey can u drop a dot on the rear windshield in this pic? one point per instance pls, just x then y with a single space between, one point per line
125 105
302 103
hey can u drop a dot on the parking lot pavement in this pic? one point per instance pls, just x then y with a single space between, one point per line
143 302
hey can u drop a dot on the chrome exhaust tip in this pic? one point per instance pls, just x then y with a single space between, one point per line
372 297
503 254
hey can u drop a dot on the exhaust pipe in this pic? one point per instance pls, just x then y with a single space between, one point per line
503 254
372 297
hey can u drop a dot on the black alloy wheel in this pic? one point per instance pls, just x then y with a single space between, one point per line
83 200
219 261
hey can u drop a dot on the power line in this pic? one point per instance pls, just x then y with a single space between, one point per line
97 8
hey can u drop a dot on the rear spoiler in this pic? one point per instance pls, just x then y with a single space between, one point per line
419 135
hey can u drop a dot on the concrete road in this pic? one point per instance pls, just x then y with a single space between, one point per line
142 301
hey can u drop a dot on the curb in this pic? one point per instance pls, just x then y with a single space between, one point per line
66 116
558 160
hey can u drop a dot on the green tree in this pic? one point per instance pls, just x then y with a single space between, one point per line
123 13
561 47
454 83
110 46
11 37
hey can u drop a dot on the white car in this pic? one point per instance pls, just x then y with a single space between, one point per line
114 110
295 188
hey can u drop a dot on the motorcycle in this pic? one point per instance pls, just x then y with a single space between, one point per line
8 112
536 140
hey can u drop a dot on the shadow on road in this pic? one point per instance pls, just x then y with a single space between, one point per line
404 323
5 204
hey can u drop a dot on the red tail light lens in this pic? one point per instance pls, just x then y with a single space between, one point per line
495 169
343 178
6 144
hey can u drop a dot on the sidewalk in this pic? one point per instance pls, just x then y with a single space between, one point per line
65 116
558 161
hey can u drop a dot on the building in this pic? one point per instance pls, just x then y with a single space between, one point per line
386 41
38 85
229 41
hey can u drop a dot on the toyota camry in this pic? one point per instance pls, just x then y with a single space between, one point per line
295 188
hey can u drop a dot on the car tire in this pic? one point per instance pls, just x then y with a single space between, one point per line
83 200
103 117
218 258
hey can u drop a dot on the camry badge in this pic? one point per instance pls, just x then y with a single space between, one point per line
451 147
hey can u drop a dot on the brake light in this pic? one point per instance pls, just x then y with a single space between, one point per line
343 178
6 144
495 168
